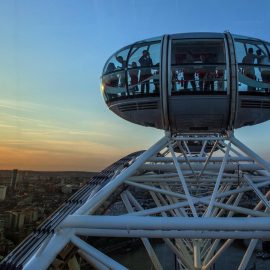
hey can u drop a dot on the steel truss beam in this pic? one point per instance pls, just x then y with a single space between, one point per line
187 190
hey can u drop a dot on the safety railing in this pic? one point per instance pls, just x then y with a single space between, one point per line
198 79
131 83
254 79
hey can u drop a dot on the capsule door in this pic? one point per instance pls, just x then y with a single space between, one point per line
198 93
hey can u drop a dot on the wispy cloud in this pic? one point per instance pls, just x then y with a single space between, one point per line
33 138
5 126
17 105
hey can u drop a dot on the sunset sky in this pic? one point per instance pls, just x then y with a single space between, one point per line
52 115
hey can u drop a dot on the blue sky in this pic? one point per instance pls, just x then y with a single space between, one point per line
52 52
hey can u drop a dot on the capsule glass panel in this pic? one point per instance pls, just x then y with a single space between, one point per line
143 69
114 76
118 61
198 66
253 67
268 48
265 69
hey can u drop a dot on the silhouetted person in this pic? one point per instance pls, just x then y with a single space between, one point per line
112 78
174 80
133 73
249 70
202 73
123 63
259 56
146 64
111 81
121 60
189 72
210 74
110 67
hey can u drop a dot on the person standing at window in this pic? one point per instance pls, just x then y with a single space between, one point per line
121 60
112 79
123 63
146 64
202 73
189 71
210 74
133 73
110 82
249 70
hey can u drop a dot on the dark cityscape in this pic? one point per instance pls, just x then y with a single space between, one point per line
28 197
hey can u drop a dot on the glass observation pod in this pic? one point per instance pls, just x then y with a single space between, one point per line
191 82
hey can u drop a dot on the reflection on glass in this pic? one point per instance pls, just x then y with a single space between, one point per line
114 84
142 81
258 84
254 67
118 60
132 72
133 77
198 79
265 71
247 51
198 66
143 72
138 50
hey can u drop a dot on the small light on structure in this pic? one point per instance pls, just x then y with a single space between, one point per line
102 88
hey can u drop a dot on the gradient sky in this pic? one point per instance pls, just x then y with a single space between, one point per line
52 115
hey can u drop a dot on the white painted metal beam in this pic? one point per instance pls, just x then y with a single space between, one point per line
167 223
91 251
175 234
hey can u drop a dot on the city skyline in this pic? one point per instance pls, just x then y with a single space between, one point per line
52 115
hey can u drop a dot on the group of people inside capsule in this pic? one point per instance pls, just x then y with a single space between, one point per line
139 75
249 71
200 74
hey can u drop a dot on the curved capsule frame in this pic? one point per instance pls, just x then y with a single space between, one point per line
164 82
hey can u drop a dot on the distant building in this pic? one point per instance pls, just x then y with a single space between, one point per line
13 180
2 223
62 181
16 220
67 189
31 215
3 191
1 233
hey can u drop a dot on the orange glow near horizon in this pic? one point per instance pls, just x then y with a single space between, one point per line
24 158
33 140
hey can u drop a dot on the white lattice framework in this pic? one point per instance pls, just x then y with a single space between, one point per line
196 187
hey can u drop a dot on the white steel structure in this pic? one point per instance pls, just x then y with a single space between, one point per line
196 187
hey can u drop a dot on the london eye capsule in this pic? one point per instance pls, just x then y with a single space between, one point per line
191 82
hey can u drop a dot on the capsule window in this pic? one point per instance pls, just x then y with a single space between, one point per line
117 61
253 67
132 73
143 69
198 66
114 76
268 48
